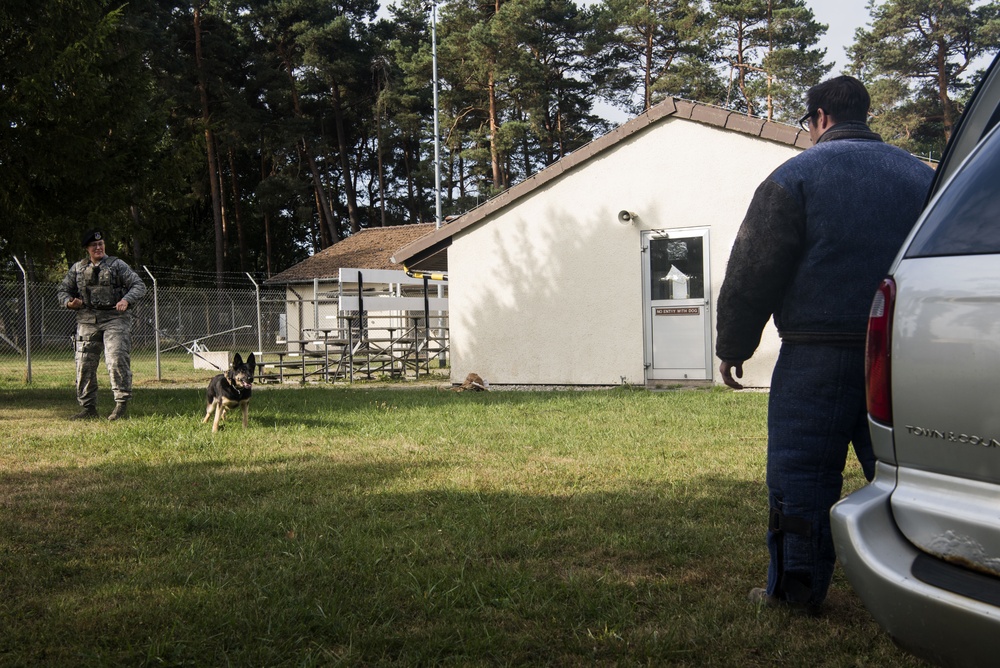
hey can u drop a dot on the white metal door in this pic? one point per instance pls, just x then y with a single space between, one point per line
676 290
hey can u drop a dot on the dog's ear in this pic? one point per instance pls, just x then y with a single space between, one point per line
237 360
252 363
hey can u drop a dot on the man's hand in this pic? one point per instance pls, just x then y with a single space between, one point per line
75 303
726 369
121 306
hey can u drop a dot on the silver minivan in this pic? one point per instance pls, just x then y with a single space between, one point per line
921 543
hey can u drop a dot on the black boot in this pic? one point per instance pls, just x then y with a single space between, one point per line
119 413
88 413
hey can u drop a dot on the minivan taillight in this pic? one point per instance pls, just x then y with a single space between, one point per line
877 359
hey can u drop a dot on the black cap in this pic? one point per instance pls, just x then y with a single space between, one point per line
92 235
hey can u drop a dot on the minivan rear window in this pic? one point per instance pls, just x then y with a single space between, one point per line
965 220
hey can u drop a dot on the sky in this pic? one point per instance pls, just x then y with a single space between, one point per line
843 17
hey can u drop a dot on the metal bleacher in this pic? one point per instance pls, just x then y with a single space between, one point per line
373 335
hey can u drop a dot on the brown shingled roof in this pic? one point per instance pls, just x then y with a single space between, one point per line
370 248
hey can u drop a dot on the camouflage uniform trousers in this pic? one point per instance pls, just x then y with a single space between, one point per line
111 334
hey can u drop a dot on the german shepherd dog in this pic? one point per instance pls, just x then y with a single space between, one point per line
231 389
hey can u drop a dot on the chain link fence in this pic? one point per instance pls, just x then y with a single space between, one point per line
170 326
180 334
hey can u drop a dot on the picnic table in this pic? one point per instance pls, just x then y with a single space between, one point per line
299 356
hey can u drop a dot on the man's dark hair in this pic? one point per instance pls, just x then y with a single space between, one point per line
843 98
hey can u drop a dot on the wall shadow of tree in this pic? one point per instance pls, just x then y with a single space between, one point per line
560 274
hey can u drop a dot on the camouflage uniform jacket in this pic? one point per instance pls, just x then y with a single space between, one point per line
100 287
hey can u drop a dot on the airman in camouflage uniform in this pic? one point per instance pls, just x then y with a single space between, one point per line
102 290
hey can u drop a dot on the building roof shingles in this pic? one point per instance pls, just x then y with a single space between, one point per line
370 248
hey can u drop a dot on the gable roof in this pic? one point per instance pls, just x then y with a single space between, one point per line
429 252
371 248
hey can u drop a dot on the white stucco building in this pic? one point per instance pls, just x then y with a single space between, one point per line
549 285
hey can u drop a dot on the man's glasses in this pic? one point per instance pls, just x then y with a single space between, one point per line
804 121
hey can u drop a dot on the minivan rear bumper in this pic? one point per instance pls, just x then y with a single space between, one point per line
931 621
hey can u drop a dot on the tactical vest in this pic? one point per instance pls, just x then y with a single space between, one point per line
100 287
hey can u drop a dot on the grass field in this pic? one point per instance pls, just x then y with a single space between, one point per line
400 526
58 369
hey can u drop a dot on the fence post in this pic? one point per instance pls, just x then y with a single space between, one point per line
427 331
316 303
156 322
442 352
260 330
27 324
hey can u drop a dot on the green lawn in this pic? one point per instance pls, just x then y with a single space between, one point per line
400 526
58 369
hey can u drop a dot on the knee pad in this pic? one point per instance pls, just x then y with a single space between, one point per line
780 523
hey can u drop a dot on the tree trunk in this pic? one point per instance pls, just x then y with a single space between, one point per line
947 106
237 211
494 131
411 188
498 176
325 240
322 204
461 175
560 134
213 168
345 165
267 215
381 169
741 69
222 199
770 50
647 100
136 226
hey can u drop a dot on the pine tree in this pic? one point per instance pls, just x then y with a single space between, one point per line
657 45
770 49
547 79
916 59
75 102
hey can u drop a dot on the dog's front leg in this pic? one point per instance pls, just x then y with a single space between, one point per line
246 412
218 416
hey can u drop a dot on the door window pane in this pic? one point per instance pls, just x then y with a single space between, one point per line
677 268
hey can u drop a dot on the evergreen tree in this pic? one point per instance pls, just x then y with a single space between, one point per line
916 59
339 52
319 119
474 52
663 46
75 100
547 79
405 100
769 49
